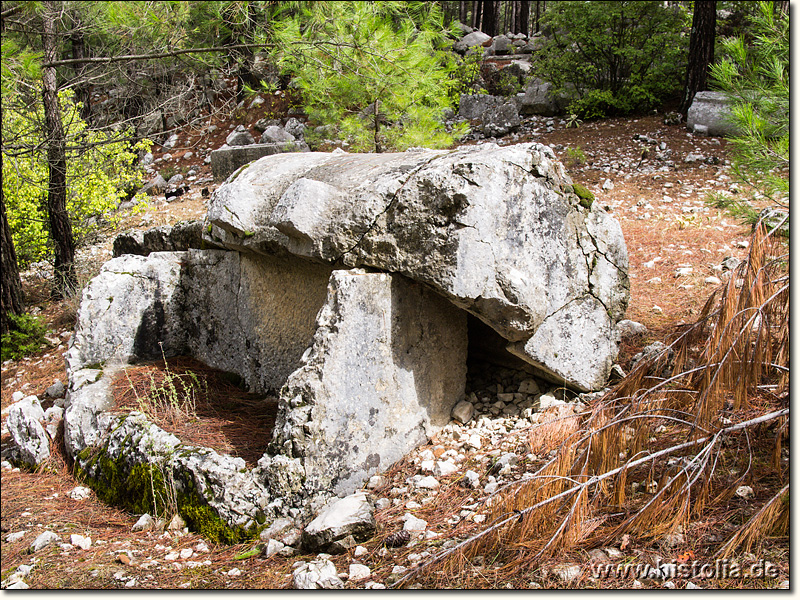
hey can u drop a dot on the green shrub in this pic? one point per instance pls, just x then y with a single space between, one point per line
100 173
620 57
372 72
25 337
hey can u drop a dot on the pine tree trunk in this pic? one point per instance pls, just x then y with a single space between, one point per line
489 24
11 284
524 17
701 51
462 11
60 225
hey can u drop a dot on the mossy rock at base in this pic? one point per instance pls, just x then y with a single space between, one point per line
586 197
141 489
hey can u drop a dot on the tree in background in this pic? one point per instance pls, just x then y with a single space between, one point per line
701 51
373 71
617 57
756 77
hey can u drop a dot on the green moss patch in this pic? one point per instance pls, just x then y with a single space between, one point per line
586 197
142 489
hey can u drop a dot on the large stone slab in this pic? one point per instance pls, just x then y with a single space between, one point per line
372 365
496 230
386 366
227 159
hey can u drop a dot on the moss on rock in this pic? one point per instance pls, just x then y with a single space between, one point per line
586 198
142 488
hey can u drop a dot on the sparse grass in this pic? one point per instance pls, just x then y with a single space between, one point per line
200 405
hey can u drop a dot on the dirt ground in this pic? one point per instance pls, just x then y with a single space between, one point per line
667 227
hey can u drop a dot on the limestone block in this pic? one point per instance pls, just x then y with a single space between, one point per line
709 114
348 517
228 159
386 366
25 426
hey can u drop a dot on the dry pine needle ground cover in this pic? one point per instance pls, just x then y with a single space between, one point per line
666 226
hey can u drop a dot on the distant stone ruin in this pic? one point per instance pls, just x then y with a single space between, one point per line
357 286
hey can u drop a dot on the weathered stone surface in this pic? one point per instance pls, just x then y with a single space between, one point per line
226 309
228 159
541 99
473 106
274 134
350 517
500 120
476 38
240 137
219 481
498 231
710 113
628 329
27 432
318 574
386 365
44 539
166 238
462 412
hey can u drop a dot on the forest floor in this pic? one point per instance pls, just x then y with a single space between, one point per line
675 241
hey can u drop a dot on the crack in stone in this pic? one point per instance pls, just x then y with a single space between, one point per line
388 207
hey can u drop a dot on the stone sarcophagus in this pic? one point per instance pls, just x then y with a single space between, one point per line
345 283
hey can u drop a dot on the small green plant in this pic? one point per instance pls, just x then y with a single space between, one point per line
464 79
173 398
25 337
573 121
575 156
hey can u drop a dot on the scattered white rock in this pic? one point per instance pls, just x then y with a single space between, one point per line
567 572
375 482
145 523
444 468
414 524
745 491
462 412
43 540
318 574
360 551
82 542
548 400
273 547
692 586
428 483
357 572
13 537
472 478
234 572
176 524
